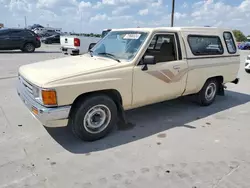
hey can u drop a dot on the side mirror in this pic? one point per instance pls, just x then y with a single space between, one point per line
149 60
91 46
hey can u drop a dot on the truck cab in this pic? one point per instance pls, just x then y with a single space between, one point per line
127 69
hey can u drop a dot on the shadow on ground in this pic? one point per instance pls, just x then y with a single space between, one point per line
150 120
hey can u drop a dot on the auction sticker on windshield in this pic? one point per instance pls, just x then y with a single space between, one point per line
132 36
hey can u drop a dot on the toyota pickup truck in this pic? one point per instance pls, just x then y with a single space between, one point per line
127 69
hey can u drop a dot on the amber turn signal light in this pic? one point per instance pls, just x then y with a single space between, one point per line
49 97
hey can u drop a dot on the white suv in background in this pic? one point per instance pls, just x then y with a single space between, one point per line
247 65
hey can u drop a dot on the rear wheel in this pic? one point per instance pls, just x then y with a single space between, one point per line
93 118
29 47
208 93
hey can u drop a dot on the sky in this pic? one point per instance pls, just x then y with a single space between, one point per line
95 15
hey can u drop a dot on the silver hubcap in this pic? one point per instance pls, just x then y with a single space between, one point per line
210 91
97 119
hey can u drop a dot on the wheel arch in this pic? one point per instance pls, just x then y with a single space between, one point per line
27 42
219 78
112 93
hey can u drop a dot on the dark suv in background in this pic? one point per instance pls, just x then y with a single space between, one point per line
15 39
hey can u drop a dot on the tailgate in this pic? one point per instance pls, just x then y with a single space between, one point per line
67 41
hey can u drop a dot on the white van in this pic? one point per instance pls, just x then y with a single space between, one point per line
127 69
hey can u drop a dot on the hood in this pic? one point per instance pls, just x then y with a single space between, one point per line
51 70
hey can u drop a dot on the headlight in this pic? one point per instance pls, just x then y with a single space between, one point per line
36 92
45 96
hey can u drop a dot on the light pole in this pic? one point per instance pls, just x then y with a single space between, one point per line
25 22
172 16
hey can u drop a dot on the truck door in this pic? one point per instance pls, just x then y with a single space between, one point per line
164 80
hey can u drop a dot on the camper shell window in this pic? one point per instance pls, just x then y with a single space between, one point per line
205 45
231 47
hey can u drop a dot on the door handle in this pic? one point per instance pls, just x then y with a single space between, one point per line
176 67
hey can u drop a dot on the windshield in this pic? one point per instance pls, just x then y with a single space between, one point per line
122 45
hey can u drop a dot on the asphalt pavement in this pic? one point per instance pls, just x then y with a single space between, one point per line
173 144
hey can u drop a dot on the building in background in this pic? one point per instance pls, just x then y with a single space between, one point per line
1 25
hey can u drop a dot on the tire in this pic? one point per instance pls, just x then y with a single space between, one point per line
208 93
83 116
247 71
28 47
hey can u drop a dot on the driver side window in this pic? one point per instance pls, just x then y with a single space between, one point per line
163 48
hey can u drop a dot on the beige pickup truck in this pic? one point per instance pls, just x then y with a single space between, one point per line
127 69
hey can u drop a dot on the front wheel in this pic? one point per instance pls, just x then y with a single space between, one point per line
94 118
247 71
208 93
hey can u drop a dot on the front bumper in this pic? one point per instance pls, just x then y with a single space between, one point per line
49 117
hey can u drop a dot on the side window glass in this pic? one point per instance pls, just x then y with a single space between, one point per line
228 37
163 48
16 33
26 33
3 33
205 45
152 44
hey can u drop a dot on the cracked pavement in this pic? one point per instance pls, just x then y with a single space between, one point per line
204 147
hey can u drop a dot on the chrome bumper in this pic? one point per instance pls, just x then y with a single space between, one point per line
49 117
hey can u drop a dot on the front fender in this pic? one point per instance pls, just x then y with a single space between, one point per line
69 89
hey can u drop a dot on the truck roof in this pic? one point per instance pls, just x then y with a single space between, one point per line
196 29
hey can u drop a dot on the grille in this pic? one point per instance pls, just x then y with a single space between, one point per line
26 85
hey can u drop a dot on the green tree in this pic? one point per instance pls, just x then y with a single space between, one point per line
239 36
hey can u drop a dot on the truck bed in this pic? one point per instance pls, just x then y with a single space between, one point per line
68 44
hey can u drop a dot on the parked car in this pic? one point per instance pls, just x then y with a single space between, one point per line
247 64
127 70
15 39
76 45
51 39
244 46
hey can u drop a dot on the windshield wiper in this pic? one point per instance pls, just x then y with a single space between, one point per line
110 55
